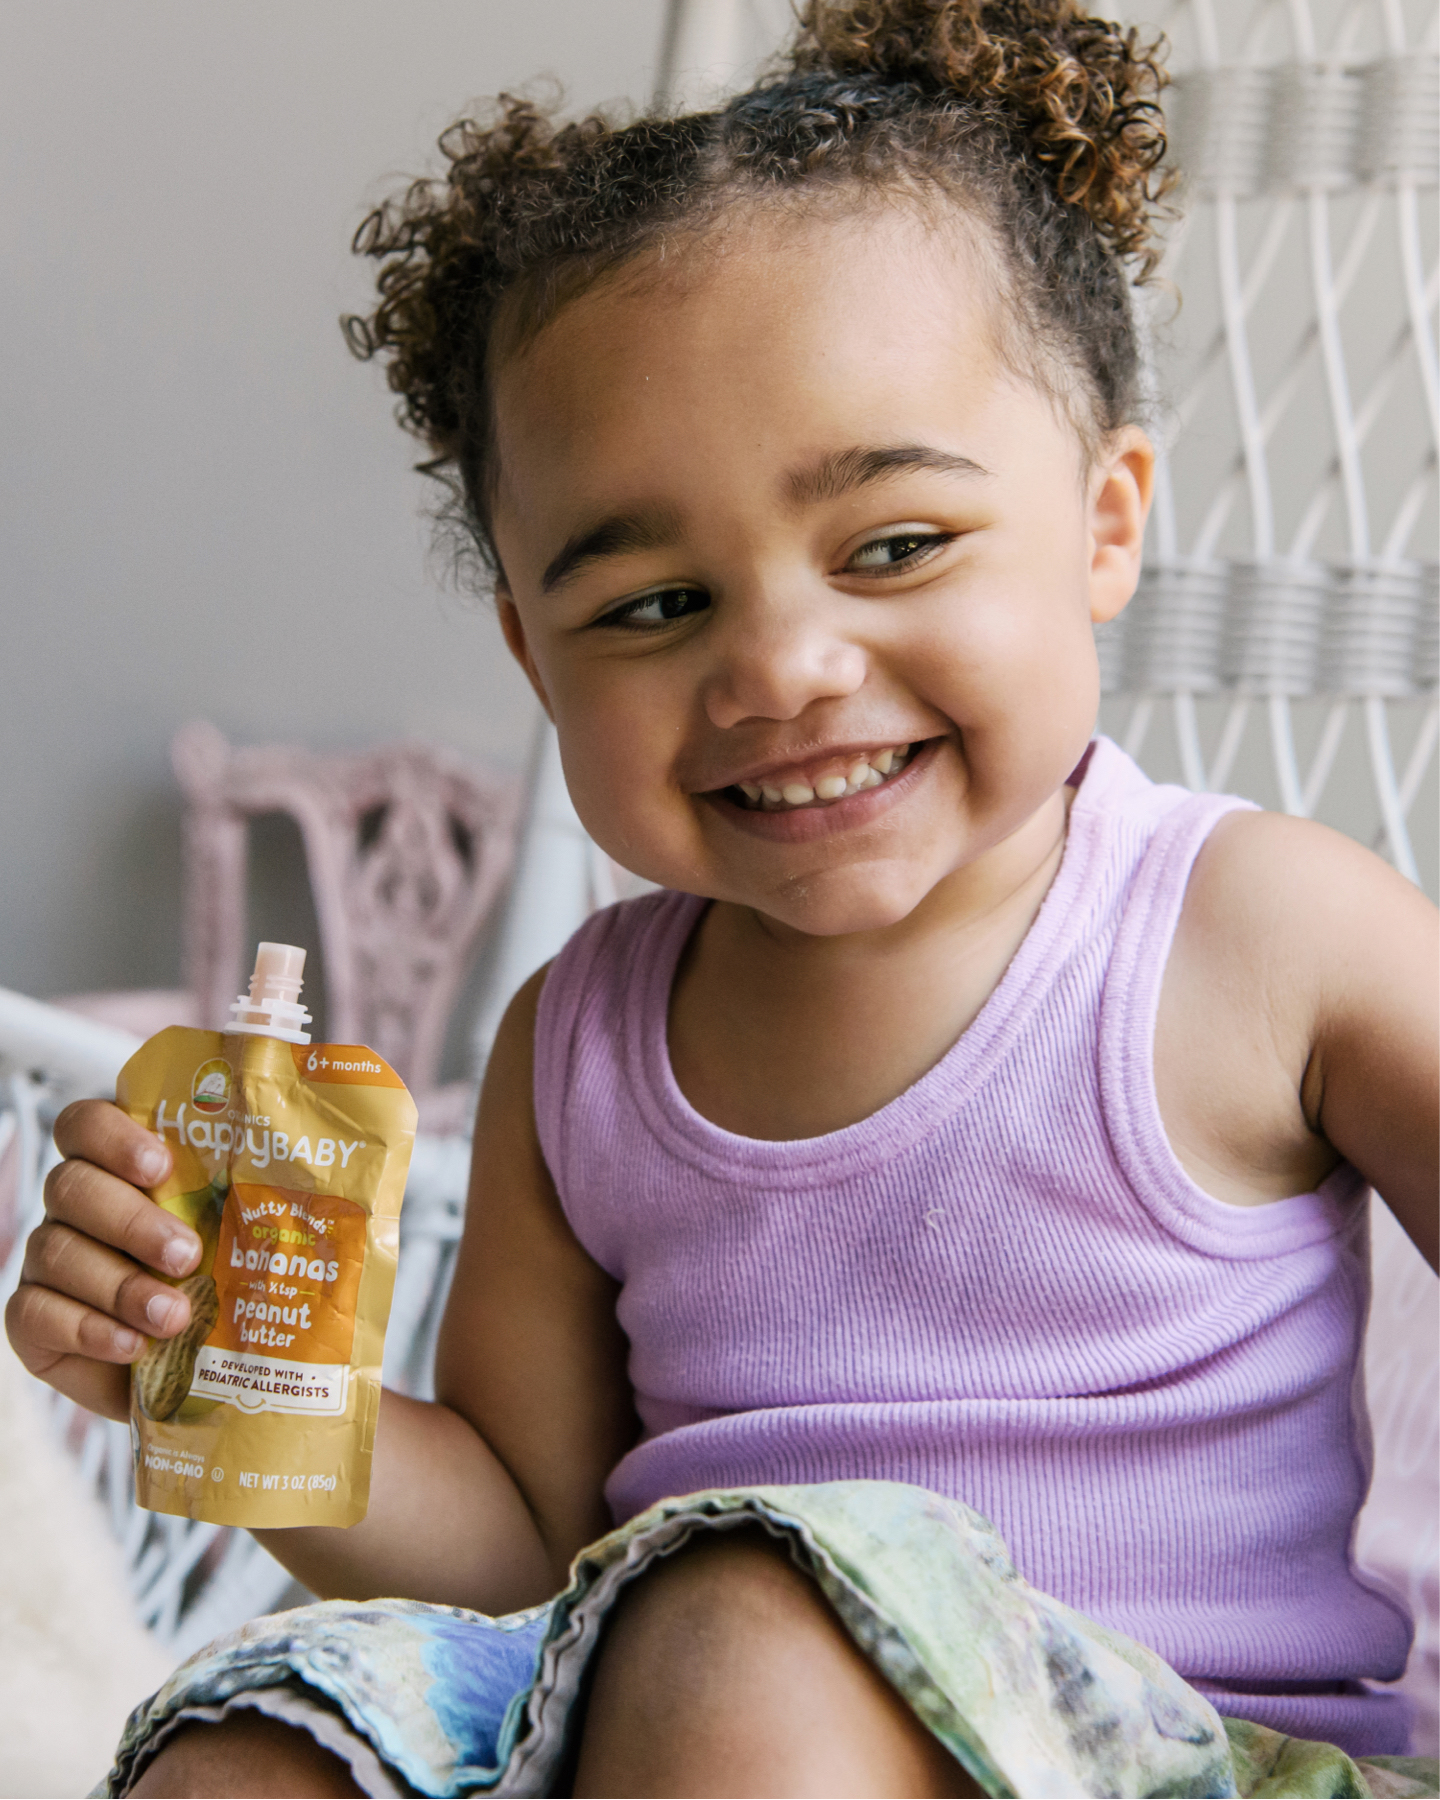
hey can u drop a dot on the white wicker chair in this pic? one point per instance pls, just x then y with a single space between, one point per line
1297 390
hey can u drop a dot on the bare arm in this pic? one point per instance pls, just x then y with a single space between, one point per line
1299 1024
1373 1085
479 1499
445 1523
482 1497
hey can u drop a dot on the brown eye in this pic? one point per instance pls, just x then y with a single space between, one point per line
659 608
897 548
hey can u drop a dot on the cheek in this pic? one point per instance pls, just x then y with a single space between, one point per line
1029 731
1002 657
616 760
1014 668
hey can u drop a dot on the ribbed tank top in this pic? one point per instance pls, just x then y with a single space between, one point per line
1004 1287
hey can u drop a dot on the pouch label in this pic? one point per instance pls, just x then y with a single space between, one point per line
266 1384
289 1163
287 1274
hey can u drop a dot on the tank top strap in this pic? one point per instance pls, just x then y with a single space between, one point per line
557 1020
604 975
1129 1008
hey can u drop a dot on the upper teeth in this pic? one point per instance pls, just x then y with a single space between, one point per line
861 774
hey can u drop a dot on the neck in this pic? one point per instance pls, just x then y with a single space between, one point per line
777 1034
969 902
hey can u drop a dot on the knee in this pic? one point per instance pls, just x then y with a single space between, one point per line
729 1619
723 1670
720 1596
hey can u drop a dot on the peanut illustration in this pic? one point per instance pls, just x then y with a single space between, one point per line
161 1378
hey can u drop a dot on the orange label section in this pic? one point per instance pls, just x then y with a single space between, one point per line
287 1272
344 1065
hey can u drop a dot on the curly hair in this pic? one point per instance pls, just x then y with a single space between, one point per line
1041 122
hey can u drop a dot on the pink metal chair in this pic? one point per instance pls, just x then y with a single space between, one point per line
407 849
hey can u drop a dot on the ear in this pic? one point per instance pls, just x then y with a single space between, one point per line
1121 486
515 639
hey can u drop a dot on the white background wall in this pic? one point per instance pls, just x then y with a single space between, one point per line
204 507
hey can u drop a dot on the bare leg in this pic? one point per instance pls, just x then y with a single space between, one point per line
244 1755
724 1672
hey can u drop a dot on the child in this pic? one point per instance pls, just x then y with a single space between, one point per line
968 1123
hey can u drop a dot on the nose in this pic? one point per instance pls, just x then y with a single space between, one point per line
775 656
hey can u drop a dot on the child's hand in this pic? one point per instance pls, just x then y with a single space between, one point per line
87 1301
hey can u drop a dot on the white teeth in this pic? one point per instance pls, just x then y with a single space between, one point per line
860 776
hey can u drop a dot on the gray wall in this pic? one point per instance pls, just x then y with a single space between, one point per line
204 507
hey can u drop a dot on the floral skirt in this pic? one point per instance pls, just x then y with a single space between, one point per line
1030 1696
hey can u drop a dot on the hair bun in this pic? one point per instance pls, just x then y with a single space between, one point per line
1079 94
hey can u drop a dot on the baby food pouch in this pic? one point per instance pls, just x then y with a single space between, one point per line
290 1162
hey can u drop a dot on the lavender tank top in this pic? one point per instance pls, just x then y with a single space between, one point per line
1004 1287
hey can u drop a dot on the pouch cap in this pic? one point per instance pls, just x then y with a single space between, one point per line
272 1007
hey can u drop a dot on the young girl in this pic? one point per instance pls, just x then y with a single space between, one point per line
969 1131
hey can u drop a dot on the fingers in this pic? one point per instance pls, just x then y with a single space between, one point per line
101 1206
82 1306
98 1132
74 1267
99 1386
87 1303
45 1325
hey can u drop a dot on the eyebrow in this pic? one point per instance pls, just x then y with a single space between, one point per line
842 471
838 472
621 533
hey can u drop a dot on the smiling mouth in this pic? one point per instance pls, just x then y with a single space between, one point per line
822 786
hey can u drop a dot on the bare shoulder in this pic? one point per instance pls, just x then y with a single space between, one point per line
513 1210
510 1069
1275 886
1306 975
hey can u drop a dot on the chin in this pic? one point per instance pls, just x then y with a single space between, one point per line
841 905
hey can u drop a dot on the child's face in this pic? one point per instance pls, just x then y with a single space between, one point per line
779 513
